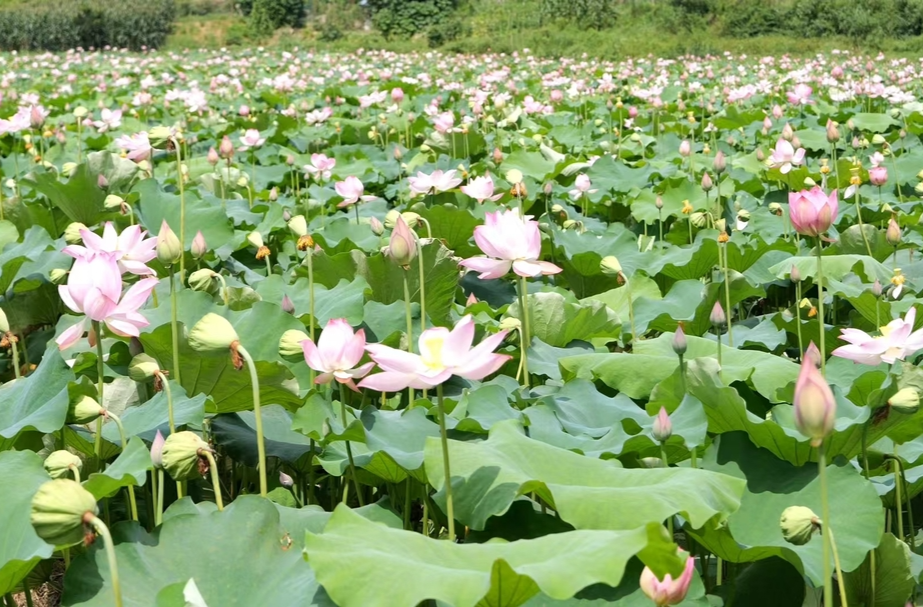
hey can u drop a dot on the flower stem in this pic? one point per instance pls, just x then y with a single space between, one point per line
131 490
166 388
912 529
260 443
422 286
727 292
216 483
449 506
409 318
898 500
182 206
526 334
825 515
798 319
101 382
311 478
841 582
868 248
349 449
17 372
820 306
666 464
160 489
174 325
103 532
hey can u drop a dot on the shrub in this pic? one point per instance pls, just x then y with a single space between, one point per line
404 18
596 14
267 16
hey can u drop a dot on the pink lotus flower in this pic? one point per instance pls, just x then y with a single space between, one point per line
812 212
784 157
878 175
109 120
337 353
94 288
668 591
351 189
581 187
250 139
509 241
815 406
320 167
130 249
438 181
800 95
137 146
443 353
481 189
897 341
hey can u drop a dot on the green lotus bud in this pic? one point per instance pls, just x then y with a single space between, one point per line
159 136
72 233
510 323
775 208
798 524
143 368
202 280
212 334
410 218
62 462
183 456
699 219
878 139
113 201
57 276
298 225
610 266
169 248
743 215
907 400
809 183
83 410
918 188
290 343
80 112
4 323
59 508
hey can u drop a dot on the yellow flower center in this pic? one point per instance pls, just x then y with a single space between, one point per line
432 353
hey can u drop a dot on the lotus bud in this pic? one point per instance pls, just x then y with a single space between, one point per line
143 368
798 524
510 323
59 463
833 133
80 112
775 208
183 457
212 156
815 406
497 156
57 276
699 219
893 234
720 162
707 183
159 136
787 132
113 201
290 343
285 480
4 322
514 176
878 139
72 233
876 288
212 334
202 280
685 148
169 248
717 316
377 227
760 155
297 224
59 509
157 450
918 188
679 340
795 274
83 410
287 306
662 429
796 143
658 202
199 247
906 400
402 248
610 266
274 194
668 591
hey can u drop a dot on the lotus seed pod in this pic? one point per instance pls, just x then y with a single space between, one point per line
256 239
80 112
181 454
610 266
878 139
113 201
906 400
143 368
72 233
290 343
202 280
514 176
57 276
212 334
83 410
159 136
4 323
298 225
60 463
699 219
169 248
510 323
58 511
798 525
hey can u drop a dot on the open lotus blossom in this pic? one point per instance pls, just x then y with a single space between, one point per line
438 181
509 241
784 157
800 95
581 187
812 212
351 189
443 353
321 167
668 591
337 354
137 146
481 189
897 341
131 249
250 139
108 120
94 288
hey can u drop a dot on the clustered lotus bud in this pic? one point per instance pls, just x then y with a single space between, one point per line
183 456
169 248
662 429
798 524
83 410
59 463
290 343
59 511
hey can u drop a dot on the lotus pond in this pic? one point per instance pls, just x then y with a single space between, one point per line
291 328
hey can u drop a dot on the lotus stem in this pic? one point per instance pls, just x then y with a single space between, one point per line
449 506
408 317
666 464
17 372
631 313
526 340
913 531
349 449
825 528
131 489
798 319
158 518
169 392
260 443
865 239
841 583
100 383
898 500
27 591
820 306
422 286
174 325
311 475
182 206
216 482
723 253
103 532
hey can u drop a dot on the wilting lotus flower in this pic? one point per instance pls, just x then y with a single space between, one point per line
800 95
897 341
815 406
132 251
443 353
784 157
581 187
320 167
337 353
351 189
481 189
250 139
668 591
812 212
94 288
438 181
509 241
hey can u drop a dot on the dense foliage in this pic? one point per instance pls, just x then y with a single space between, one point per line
402 18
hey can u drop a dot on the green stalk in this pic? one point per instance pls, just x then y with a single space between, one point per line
898 500
913 531
260 442
158 519
408 317
27 592
631 313
174 325
839 571
422 286
718 335
798 319
311 475
309 257
124 441
727 292
825 531
820 307
449 506
103 532
101 381
407 504
666 465
526 334
349 450
169 391
17 372
216 482
182 206
868 248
